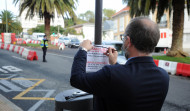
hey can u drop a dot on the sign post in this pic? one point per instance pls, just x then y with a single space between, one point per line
98 23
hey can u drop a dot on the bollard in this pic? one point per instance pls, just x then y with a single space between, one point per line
74 100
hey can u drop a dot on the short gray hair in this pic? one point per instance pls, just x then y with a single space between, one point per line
144 34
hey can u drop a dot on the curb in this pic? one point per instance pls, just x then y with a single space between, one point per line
6 105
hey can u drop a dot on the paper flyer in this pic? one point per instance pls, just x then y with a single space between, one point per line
96 59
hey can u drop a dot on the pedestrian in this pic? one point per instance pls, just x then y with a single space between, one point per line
139 85
44 45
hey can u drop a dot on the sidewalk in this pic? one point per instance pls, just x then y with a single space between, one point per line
6 105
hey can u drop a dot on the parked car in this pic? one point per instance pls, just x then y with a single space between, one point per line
74 42
64 40
118 46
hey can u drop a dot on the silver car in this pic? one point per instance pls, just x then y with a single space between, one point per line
64 40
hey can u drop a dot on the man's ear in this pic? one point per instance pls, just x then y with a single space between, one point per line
128 41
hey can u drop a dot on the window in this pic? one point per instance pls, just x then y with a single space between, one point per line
121 25
115 26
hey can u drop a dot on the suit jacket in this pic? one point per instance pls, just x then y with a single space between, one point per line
139 85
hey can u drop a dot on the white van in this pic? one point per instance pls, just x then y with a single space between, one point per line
38 36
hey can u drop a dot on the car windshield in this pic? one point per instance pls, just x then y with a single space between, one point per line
66 38
116 45
74 40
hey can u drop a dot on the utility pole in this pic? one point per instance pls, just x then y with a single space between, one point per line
6 16
98 23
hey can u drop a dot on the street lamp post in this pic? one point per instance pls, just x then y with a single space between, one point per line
6 16
98 23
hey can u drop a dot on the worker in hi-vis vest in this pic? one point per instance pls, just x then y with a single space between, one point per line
44 45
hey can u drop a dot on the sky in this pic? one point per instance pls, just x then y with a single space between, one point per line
82 7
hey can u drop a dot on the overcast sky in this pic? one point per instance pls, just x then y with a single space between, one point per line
83 5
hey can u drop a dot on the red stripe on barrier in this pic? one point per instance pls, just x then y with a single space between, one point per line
8 46
156 62
183 69
22 51
164 34
161 35
2 46
13 48
18 49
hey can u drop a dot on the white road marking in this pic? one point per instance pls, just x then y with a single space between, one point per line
24 83
12 68
4 71
10 85
61 55
4 89
37 105
18 58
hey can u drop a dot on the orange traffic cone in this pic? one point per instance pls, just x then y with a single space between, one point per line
164 50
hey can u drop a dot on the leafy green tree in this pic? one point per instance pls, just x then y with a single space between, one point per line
40 28
14 26
107 14
69 31
68 22
143 7
88 16
46 9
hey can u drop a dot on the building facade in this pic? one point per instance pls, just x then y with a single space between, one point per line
87 29
122 18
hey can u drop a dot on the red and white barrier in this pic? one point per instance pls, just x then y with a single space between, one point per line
169 66
25 53
183 69
61 45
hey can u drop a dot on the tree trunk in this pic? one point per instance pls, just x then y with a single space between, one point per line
178 25
47 17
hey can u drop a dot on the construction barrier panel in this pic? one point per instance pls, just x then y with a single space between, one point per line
156 62
183 69
169 66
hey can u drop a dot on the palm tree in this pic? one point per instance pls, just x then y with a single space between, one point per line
143 7
46 9
13 25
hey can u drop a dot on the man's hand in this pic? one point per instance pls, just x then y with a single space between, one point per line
112 54
87 44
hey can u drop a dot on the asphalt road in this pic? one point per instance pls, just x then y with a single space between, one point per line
17 76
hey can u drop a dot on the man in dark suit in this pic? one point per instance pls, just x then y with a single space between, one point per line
139 85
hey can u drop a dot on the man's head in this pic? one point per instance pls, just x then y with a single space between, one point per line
45 36
143 34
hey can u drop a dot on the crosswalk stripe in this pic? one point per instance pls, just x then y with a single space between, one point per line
24 83
10 85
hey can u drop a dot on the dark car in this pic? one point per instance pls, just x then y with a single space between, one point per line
74 42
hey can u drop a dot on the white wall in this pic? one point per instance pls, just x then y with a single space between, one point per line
88 31
186 32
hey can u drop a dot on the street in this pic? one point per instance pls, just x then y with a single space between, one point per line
18 76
